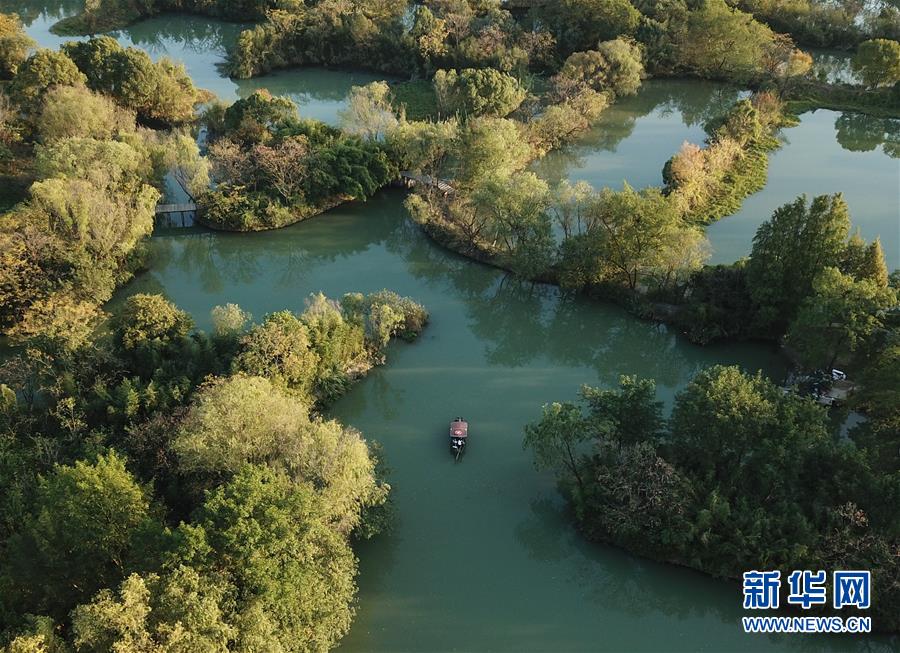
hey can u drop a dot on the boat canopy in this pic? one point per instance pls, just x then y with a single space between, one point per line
459 428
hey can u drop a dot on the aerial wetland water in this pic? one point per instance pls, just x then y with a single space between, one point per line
482 555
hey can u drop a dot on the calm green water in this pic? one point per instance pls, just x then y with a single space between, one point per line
833 66
827 152
635 137
483 556
201 45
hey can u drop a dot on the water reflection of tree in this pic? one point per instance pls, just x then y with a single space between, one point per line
696 102
833 66
31 10
520 322
858 132
306 85
219 259
192 34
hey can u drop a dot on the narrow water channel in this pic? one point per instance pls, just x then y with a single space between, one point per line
482 555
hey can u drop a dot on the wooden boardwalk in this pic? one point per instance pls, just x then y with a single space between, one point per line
176 215
411 179
188 207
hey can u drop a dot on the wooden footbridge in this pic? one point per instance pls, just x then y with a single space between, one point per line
184 214
177 215
410 179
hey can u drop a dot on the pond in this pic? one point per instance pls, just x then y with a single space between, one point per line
201 45
482 554
833 66
828 152
635 137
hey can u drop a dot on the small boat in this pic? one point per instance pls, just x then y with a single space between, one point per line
459 435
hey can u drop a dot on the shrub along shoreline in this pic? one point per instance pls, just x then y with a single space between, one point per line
702 185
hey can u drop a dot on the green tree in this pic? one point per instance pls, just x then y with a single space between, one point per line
721 42
632 239
628 415
255 118
271 536
615 67
838 317
865 261
229 320
489 147
738 433
624 65
370 113
91 524
406 320
242 420
338 343
515 220
150 321
791 250
555 441
579 24
38 73
40 635
877 62
159 92
14 45
423 146
180 610
478 92
279 350
76 112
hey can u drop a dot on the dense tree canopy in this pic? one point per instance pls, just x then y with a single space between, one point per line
41 71
165 489
160 92
615 66
791 250
14 45
84 532
721 486
274 168
579 24
152 501
477 92
838 317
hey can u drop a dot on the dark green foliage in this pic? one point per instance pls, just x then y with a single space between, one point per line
791 250
477 92
150 321
90 525
742 476
265 557
274 168
161 93
719 306
579 25
255 118
267 534
40 71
